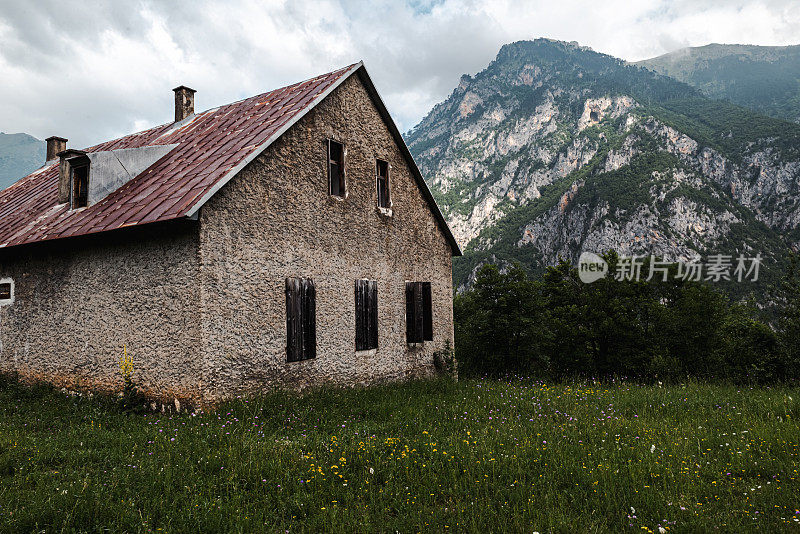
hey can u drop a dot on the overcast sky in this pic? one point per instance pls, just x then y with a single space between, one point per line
90 71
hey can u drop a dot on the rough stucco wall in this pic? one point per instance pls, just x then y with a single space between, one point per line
78 301
276 220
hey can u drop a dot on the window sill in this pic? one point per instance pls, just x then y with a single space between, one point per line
367 352
386 212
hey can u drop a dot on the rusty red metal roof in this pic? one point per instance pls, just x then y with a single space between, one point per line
212 147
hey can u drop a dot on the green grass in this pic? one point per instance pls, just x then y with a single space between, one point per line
478 455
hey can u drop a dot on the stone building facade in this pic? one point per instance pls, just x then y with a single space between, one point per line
205 302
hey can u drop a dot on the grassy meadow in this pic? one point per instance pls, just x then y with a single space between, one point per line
434 456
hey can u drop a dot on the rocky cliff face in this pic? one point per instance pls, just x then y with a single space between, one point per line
554 149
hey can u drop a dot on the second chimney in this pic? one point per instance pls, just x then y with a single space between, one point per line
184 102
54 146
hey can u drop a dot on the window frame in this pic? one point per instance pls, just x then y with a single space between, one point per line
83 166
341 164
11 289
301 321
387 187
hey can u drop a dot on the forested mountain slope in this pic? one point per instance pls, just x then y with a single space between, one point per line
555 149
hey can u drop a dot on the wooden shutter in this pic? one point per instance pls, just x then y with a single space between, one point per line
410 312
361 327
372 295
343 172
427 311
309 335
414 312
366 299
294 341
301 320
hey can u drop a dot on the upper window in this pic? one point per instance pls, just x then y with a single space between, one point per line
336 169
382 172
80 186
366 314
419 312
301 319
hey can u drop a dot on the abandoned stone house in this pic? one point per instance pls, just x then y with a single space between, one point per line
283 240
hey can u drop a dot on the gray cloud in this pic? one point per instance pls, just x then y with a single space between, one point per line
94 70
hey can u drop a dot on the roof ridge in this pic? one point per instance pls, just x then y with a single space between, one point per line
214 108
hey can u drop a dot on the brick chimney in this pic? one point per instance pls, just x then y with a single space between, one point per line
54 146
184 102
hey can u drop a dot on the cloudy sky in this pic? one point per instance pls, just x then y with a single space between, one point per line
91 71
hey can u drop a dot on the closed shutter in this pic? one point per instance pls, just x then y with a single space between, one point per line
366 300
301 319
410 335
294 341
361 326
419 316
373 314
427 311
414 313
309 319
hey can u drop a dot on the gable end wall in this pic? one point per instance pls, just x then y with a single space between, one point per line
276 220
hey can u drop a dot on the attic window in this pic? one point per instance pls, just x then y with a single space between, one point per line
382 172
336 168
80 185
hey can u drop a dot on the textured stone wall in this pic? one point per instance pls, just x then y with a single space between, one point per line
276 220
79 300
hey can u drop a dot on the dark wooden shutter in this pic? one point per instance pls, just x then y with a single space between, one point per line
410 312
294 342
309 319
301 319
414 312
361 327
366 300
372 296
427 311
419 316
343 171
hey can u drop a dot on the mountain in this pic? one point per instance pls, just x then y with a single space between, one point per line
763 78
20 154
555 149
